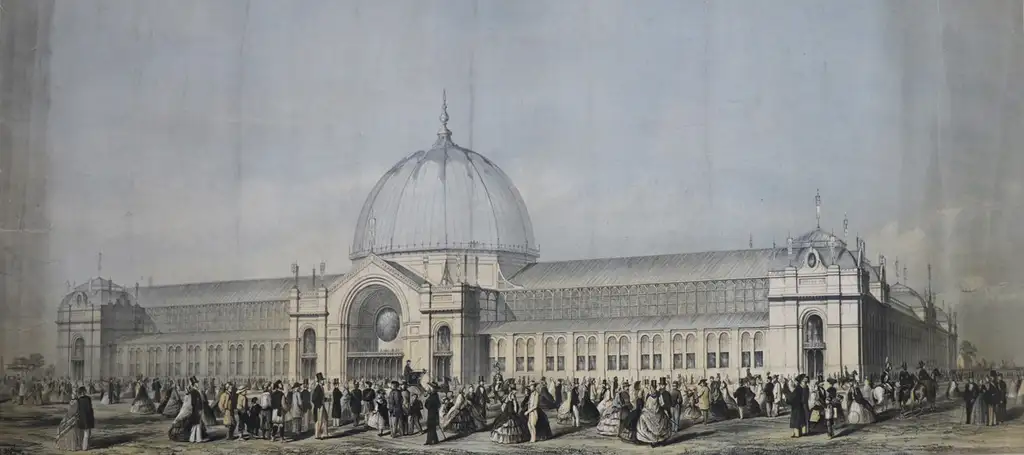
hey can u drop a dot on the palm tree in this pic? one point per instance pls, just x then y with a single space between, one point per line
968 352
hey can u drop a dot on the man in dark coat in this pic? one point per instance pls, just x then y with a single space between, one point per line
395 410
797 402
336 396
433 407
319 411
558 393
86 419
574 402
415 416
369 396
195 419
356 404
306 405
481 397
676 409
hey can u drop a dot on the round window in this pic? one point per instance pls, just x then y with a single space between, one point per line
387 325
812 260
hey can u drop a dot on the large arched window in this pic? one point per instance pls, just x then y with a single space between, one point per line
531 353
645 352
710 346
520 354
746 350
549 354
218 359
656 350
758 349
263 360
254 359
178 360
189 351
813 330
210 353
276 356
309 343
444 340
78 351
501 354
678 349
612 348
691 351
131 362
120 362
623 353
560 354
592 353
286 354
231 360
581 353
724 346
138 362
239 351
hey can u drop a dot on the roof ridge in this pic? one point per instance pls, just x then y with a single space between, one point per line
242 280
738 250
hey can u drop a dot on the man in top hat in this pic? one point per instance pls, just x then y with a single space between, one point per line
306 406
481 397
831 407
703 399
319 410
396 411
277 409
196 417
433 407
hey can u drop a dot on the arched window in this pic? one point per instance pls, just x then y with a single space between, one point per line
724 346
531 353
746 350
759 350
501 354
444 339
581 353
309 343
197 359
231 360
254 358
178 360
239 351
656 350
520 354
275 358
549 354
623 353
710 346
612 348
560 354
592 353
813 329
691 351
210 352
78 351
131 362
138 362
263 360
678 349
189 351
645 352
284 362
218 360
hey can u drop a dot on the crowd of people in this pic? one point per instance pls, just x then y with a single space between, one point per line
513 411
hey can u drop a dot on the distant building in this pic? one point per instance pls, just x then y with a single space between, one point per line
445 274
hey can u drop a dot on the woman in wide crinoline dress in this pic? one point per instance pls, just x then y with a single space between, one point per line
589 415
142 404
564 415
858 410
510 425
375 419
209 415
181 428
69 436
611 414
628 429
459 419
172 403
655 426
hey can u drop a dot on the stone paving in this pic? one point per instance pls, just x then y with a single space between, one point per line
32 429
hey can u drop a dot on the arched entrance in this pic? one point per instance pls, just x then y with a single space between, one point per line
443 352
78 360
308 355
814 346
375 335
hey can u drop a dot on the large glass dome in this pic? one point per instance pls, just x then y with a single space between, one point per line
446 198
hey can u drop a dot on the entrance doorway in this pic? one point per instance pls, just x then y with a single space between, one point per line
78 360
815 362
307 368
442 367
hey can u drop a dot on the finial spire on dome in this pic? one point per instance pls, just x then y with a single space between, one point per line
817 206
444 132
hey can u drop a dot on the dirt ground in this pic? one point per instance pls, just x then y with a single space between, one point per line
32 429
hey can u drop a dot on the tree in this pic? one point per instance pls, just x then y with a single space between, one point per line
968 352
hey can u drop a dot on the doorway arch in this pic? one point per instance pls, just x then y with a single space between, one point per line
308 355
814 345
376 336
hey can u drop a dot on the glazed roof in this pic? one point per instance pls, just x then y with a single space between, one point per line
677 322
446 198
227 336
664 268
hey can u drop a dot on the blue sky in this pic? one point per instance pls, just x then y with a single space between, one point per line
243 135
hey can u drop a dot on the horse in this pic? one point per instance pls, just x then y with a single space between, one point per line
882 397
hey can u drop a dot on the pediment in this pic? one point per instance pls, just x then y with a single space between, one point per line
374 265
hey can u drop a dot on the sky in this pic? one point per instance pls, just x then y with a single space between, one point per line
200 141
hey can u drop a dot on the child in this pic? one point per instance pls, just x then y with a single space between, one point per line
254 420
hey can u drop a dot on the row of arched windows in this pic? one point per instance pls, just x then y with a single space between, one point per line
718 347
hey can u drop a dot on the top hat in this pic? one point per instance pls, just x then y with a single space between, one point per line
193 380
335 381
831 380
296 385
319 377
278 384
662 381
305 382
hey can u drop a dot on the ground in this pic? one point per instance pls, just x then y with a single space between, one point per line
32 429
